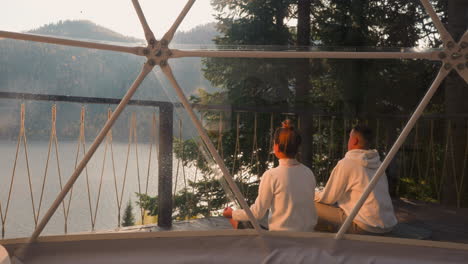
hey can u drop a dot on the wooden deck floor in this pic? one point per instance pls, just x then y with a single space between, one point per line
444 224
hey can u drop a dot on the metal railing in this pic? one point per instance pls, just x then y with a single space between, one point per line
163 144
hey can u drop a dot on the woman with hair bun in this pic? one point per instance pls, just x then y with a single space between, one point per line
287 190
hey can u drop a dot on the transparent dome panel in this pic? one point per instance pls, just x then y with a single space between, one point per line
40 159
197 135
100 20
240 102
44 68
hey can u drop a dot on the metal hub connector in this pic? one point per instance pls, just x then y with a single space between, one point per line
164 43
464 45
450 45
159 54
455 56
442 55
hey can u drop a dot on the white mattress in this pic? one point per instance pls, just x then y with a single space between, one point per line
235 246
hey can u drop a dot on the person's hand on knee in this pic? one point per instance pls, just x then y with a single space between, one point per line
228 214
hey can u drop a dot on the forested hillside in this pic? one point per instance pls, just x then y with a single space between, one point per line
52 69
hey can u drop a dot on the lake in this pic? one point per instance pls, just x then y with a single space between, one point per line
20 220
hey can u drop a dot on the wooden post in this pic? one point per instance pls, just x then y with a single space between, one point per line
165 166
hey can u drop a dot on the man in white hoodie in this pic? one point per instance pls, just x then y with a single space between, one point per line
347 183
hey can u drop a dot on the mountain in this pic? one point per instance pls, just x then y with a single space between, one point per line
82 29
53 69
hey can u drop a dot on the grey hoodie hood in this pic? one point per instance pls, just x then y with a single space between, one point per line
366 158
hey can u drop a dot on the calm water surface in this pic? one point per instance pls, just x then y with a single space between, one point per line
20 220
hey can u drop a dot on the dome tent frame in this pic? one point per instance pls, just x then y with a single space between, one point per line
453 55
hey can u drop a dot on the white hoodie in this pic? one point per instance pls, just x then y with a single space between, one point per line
288 191
347 183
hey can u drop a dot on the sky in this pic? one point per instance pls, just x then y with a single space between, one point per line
117 15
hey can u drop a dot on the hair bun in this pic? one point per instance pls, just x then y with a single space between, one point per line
287 124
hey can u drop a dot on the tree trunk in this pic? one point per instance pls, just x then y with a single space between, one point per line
456 92
282 92
303 85
355 88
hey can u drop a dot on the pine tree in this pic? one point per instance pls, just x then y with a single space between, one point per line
128 217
